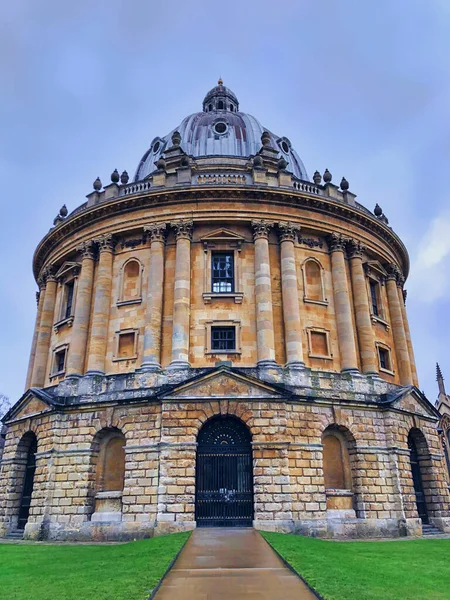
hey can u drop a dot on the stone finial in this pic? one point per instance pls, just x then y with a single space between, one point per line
97 184
86 249
161 165
317 178
265 139
115 176
124 178
337 242
377 211
344 185
63 211
282 163
288 231
261 228
327 177
183 229
258 161
156 232
176 138
440 379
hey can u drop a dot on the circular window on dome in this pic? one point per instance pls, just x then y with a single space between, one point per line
284 146
156 146
220 127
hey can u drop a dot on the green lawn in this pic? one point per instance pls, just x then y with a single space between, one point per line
407 570
70 572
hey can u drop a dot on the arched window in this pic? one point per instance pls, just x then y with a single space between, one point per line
313 281
220 105
26 451
109 461
336 463
131 282
210 107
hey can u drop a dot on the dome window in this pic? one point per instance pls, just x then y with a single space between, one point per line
284 144
220 105
210 107
156 147
220 127
231 107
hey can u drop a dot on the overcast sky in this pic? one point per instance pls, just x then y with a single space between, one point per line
360 88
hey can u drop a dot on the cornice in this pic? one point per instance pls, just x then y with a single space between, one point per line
214 194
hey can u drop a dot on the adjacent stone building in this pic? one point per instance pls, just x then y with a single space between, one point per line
221 342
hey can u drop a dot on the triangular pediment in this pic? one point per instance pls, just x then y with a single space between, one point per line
68 268
413 401
375 267
32 403
224 383
222 235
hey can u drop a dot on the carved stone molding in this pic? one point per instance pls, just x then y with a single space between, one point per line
41 282
156 232
336 242
400 281
288 231
38 294
49 273
261 228
105 243
183 229
405 294
393 272
355 249
86 249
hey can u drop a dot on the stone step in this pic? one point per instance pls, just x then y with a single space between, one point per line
16 534
430 530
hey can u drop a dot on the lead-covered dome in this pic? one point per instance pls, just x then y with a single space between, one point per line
220 130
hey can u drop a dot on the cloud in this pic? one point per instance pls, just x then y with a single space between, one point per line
429 280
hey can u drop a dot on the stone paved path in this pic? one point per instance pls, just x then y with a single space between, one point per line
219 564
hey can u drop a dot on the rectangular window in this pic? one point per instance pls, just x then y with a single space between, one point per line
385 361
374 298
223 338
126 347
59 364
222 268
319 343
69 287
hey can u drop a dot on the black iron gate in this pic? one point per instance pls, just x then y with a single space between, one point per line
417 480
24 510
224 474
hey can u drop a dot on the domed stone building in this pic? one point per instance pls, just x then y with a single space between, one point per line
221 342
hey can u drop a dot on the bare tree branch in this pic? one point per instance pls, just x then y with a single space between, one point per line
5 405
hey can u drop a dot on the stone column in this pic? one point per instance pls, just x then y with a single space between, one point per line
289 288
412 361
153 315
398 330
263 295
343 310
363 319
40 302
181 295
45 329
79 336
102 306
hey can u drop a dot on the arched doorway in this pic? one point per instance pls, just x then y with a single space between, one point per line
417 446
30 441
224 474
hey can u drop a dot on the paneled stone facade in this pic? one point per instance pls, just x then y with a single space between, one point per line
221 287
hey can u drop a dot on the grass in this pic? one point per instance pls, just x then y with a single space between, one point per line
85 572
406 570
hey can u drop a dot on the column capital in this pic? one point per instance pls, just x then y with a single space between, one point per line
288 231
41 282
49 273
156 232
183 229
400 281
405 294
355 248
393 272
336 242
38 295
105 242
261 229
86 249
